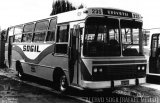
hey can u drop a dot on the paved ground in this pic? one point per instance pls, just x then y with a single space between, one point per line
146 93
14 90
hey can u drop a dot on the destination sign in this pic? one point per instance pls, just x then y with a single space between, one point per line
117 13
113 12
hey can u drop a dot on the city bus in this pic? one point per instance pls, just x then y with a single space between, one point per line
152 53
89 48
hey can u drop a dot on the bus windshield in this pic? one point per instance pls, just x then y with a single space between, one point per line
111 37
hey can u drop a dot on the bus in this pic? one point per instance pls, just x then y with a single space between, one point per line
152 52
89 48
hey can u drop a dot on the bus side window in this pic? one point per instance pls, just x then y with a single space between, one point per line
62 33
154 45
39 36
51 31
28 32
27 37
17 37
41 31
9 33
62 39
18 33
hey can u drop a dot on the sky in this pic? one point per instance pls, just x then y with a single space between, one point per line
14 12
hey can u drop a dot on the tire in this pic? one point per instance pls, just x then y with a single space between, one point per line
63 85
157 66
19 69
60 83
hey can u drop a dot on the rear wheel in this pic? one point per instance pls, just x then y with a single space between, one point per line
19 69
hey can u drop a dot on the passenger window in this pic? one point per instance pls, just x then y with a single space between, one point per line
62 39
52 29
52 26
154 45
42 26
29 27
17 38
62 33
28 32
11 30
39 36
41 31
10 33
18 33
27 37
51 36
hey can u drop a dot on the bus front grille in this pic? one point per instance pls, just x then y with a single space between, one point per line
104 73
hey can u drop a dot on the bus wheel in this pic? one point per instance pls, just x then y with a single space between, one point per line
63 85
19 70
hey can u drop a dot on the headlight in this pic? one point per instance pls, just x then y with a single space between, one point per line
95 70
139 68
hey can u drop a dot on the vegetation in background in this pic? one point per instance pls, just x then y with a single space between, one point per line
60 6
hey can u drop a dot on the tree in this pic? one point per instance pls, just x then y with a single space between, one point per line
81 6
60 6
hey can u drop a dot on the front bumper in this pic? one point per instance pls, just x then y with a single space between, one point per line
109 84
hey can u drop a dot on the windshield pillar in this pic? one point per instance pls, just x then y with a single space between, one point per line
120 39
140 41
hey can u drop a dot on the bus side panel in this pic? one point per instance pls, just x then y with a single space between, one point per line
39 71
15 57
53 62
46 67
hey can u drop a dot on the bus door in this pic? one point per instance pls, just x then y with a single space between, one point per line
74 54
10 50
154 59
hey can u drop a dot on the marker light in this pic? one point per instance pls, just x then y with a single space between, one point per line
143 68
100 70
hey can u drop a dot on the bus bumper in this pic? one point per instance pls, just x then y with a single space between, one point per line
109 84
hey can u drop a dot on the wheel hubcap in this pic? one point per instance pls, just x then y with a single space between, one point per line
63 83
19 74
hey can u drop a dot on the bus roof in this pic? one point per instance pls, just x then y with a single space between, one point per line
81 14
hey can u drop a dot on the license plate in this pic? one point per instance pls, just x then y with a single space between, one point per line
125 82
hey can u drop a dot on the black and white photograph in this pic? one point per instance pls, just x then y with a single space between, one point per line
79 51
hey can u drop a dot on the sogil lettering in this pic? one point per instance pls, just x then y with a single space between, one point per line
31 48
